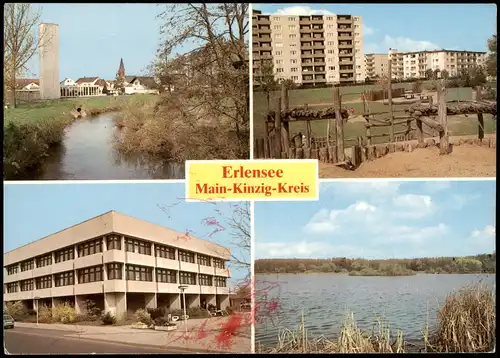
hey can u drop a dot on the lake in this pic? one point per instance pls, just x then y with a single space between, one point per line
403 301
87 153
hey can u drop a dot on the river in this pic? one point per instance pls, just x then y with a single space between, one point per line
87 153
404 302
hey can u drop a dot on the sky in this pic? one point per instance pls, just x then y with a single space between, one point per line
381 219
33 211
409 27
93 38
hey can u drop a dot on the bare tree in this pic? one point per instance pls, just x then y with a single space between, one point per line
20 42
215 73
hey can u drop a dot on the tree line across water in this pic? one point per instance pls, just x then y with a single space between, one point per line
484 263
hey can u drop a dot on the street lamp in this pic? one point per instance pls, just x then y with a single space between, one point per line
183 289
36 301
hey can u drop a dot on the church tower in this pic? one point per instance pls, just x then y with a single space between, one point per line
121 69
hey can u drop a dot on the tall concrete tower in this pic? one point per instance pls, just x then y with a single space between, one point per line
49 61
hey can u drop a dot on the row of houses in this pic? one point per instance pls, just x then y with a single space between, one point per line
96 86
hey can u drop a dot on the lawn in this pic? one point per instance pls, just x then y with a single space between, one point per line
322 97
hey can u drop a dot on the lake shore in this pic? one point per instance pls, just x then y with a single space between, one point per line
465 323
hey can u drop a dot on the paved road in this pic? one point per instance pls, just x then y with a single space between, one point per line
44 341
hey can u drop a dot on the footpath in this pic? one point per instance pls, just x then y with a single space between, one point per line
214 335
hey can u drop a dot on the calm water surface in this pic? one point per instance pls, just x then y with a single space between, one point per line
404 302
87 152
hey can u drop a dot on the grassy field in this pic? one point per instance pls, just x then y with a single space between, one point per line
465 324
30 129
350 96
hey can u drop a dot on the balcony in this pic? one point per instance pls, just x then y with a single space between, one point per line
346 62
319 63
344 20
264 20
344 28
89 288
317 20
88 261
305 30
345 70
345 37
318 46
319 70
318 29
318 37
346 46
306 55
264 30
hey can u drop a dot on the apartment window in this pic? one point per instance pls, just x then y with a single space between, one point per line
276 18
356 42
186 256
139 273
90 247
278 44
330 34
292 36
330 43
187 278
43 282
27 285
220 281
90 274
279 70
330 51
356 26
219 263
295 78
204 260
114 242
27 265
279 62
12 287
331 68
330 26
294 69
205 280
138 246
278 53
115 271
277 36
64 254
329 18
44 260
329 59
291 19
165 251
167 276
277 27
292 27
11 269
293 53
64 279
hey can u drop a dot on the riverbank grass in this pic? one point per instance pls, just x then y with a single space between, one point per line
465 323
31 129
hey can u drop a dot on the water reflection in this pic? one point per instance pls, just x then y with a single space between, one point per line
87 153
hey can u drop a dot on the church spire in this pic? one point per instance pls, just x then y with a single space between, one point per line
121 69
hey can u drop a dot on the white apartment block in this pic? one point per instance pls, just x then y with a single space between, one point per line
121 263
407 65
309 50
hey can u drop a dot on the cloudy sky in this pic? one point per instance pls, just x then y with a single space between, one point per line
409 27
381 219
33 211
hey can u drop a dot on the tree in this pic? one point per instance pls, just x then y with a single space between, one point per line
266 81
491 61
239 224
20 42
120 83
429 74
435 74
445 74
216 70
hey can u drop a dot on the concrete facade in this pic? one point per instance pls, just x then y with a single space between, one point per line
120 262
49 61
377 65
309 50
407 65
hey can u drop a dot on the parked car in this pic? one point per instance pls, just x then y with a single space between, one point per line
8 321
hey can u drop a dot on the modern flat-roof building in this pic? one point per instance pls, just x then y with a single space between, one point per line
309 50
415 64
376 65
121 263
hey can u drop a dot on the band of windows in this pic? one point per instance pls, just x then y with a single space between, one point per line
90 274
90 248
64 279
139 273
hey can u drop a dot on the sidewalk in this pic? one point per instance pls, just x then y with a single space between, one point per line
221 334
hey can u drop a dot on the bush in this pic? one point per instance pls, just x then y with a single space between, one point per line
64 313
143 316
107 318
160 321
155 313
44 314
196 312
93 312
16 309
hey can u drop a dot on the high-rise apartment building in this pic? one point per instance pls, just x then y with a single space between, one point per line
310 50
415 64
376 65
121 263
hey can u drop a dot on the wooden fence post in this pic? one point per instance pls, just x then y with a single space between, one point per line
389 98
339 124
285 105
277 129
480 120
444 144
